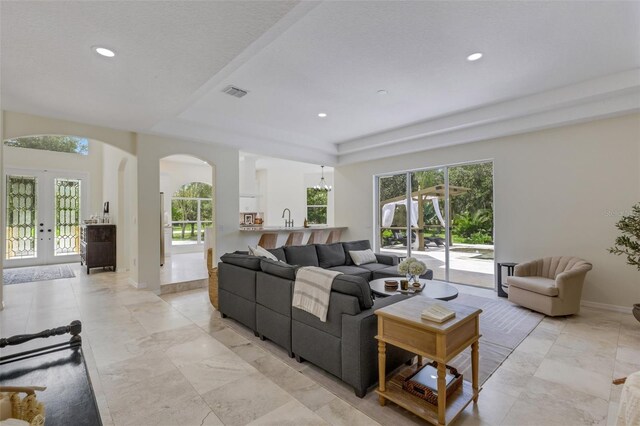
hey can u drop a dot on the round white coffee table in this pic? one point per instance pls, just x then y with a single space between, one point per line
433 288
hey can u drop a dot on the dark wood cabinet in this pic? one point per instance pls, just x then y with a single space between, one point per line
98 246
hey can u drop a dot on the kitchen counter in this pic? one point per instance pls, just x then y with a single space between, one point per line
279 229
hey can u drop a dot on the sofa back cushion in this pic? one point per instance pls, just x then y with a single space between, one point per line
279 269
244 260
301 255
330 255
354 286
278 253
363 257
355 246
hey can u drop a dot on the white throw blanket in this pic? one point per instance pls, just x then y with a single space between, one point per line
312 290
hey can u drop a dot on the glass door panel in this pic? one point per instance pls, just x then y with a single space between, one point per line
471 212
67 216
21 217
428 226
392 214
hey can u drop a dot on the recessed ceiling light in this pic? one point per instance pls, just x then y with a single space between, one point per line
322 115
474 56
103 51
382 92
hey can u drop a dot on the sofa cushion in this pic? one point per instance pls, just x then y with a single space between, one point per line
356 271
354 245
279 269
301 255
278 253
330 255
262 252
244 260
373 266
274 293
363 257
538 285
354 286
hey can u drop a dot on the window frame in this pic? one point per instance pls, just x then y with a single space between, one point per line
317 206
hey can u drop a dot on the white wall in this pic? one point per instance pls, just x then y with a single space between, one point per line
224 162
36 159
557 192
283 184
119 188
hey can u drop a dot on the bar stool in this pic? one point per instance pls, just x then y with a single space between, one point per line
315 237
334 236
268 240
294 239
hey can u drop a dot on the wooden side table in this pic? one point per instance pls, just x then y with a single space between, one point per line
400 325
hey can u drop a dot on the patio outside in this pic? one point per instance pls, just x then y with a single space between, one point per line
468 263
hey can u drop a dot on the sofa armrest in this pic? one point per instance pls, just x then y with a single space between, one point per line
360 347
387 259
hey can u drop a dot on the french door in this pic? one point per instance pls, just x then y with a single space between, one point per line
43 214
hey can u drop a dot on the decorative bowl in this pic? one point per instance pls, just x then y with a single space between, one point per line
391 284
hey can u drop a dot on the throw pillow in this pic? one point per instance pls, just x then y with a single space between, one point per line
261 252
362 257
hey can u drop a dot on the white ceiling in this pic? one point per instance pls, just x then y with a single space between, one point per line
165 52
297 60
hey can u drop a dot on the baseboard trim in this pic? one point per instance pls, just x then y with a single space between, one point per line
136 284
607 307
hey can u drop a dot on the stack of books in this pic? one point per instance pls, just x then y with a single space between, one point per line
437 313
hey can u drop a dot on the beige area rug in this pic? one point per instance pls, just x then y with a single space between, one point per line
503 326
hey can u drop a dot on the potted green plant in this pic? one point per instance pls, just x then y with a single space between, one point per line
628 244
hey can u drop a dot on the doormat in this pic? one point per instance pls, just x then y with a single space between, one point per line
36 273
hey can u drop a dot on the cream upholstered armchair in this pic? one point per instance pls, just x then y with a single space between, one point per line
552 285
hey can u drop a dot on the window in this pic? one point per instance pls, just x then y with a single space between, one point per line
71 144
317 206
191 213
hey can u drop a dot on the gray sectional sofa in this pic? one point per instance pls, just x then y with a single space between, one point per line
257 292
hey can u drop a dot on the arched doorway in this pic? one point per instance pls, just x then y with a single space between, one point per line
188 213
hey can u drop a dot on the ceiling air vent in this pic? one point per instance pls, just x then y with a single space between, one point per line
234 91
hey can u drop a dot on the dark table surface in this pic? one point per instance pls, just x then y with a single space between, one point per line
433 288
69 397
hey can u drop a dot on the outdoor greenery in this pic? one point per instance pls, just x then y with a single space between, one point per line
628 244
184 210
71 144
471 211
317 200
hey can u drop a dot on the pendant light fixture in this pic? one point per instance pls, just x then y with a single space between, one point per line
322 185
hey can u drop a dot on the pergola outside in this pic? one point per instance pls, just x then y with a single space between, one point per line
421 196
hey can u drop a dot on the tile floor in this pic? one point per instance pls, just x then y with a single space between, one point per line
174 361
181 267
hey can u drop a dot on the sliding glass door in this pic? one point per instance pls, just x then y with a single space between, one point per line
471 252
393 235
427 196
444 217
